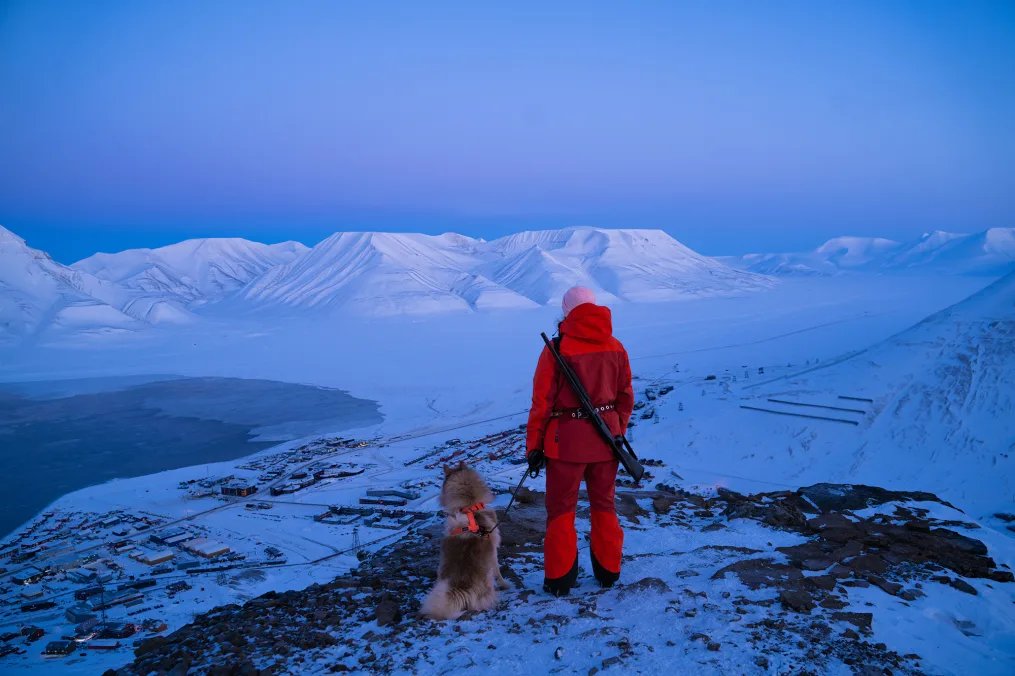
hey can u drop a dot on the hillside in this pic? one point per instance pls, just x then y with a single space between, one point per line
989 253
388 273
194 271
931 407
37 293
632 265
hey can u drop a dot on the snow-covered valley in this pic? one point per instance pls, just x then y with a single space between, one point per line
926 361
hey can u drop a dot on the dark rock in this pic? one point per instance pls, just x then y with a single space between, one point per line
840 571
610 661
151 645
892 588
704 638
1001 576
850 634
761 661
662 505
645 584
796 600
822 582
856 583
816 564
687 573
858 620
819 523
849 550
854 497
757 573
833 603
918 526
867 563
387 612
910 594
713 527
714 647
963 586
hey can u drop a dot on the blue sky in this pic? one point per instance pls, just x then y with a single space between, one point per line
734 126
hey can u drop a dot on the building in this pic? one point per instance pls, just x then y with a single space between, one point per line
79 614
82 594
103 645
239 490
28 577
87 626
33 634
155 558
179 539
386 502
118 631
206 548
160 538
31 592
273 552
386 492
59 649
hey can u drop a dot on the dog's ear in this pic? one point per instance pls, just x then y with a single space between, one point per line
447 470
462 465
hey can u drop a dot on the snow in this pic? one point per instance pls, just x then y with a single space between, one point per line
935 354
192 271
388 274
988 253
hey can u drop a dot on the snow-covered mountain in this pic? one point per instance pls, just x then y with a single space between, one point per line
36 292
368 273
991 252
633 265
194 271
386 273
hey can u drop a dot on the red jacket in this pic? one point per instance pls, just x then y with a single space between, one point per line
588 345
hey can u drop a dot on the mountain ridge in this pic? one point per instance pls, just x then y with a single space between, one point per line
989 253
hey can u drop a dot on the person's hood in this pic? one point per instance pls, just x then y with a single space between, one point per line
588 322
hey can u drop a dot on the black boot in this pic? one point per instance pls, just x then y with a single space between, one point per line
561 586
605 577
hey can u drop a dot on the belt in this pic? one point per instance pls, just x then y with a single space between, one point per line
580 412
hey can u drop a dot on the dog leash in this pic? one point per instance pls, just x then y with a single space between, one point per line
528 473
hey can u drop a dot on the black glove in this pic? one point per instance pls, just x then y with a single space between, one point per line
537 461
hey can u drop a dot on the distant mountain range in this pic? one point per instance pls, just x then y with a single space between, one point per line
376 274
349 274
991 253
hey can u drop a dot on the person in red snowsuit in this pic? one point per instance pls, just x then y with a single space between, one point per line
567 442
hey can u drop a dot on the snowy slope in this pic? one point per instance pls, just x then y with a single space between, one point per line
991 252
387 273
37 293
941 413
193 271
945 400
382 274
633 265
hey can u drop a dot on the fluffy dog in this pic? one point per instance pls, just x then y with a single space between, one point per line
468 567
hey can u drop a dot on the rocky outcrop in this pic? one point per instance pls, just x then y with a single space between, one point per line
365 622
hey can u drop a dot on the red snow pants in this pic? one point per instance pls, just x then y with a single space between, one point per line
560 548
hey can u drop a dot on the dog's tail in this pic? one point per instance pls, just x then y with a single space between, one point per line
442 603
445 603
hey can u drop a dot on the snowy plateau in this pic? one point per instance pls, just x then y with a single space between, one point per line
830 437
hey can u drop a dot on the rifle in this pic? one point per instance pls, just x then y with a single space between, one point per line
621 448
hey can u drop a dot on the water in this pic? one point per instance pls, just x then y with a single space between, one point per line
60 436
